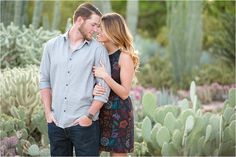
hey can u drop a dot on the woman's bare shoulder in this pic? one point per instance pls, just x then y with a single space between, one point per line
125 58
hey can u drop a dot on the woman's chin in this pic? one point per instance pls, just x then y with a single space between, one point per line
99 40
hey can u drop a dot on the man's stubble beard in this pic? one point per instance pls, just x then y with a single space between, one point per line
82 31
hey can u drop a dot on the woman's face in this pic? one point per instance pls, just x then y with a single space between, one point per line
101 37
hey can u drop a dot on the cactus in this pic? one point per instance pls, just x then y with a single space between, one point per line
156 127
182 47
188 127
19 6
232 93
56 14
163 135
169 122
149 104
38 6
33 150
228 112
189 131
192 91
26 115
68 24
8 146
184 104
177 140
20 47
140 149
146 129
46 22
168 149
137 134
7 11
185 114
208 132
19 88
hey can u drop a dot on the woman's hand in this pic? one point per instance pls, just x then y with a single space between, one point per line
100 71
98 90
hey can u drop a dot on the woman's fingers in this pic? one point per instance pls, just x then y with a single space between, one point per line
102 65
100 89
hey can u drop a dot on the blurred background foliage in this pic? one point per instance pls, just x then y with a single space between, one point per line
178 42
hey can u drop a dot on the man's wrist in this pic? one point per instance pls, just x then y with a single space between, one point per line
90 116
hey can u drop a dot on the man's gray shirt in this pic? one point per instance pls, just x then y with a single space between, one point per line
69 75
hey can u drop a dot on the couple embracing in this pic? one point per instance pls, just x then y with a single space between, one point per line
85 85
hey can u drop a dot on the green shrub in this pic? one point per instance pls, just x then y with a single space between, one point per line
20 47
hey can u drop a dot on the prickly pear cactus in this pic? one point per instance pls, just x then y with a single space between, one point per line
185 130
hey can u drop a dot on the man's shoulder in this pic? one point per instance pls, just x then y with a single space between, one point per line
54 40
97 45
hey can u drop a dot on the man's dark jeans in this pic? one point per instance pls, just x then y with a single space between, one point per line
84 139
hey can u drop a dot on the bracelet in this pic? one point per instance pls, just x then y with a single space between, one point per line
90 116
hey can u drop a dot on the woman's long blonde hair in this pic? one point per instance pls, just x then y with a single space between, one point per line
116 30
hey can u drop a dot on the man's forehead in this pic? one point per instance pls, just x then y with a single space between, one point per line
94 19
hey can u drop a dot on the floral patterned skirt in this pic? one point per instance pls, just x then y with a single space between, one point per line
117 126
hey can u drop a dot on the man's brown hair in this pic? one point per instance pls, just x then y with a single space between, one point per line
85 10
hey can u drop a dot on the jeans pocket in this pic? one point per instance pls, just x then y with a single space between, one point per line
85 126
51 123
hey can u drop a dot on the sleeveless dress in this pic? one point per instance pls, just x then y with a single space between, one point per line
116 117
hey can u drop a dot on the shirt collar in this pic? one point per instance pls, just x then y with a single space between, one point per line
66 37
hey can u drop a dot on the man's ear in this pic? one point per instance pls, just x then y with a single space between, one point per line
79 20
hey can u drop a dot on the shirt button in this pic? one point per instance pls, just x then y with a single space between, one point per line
68 72
70 59
64 110
65 97
66 84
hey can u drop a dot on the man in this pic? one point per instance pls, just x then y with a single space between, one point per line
66 86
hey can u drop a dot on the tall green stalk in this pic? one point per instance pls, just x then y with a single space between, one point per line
56 14
184 21
7 11
38 6
19 7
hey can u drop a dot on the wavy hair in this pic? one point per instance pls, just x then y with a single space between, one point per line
116 30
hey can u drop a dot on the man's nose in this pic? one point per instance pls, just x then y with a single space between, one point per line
95 29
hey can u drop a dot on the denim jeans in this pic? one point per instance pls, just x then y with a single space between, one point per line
85 140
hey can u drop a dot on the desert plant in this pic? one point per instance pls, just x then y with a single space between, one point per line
186 130
20 47
184 21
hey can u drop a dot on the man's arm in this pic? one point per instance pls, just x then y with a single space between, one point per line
103 58
44 85
46 97
98 101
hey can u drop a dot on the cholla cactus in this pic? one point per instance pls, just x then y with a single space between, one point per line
19 87
20 47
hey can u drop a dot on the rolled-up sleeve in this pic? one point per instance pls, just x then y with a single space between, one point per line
44 71
102 55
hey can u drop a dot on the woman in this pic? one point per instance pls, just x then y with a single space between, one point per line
116 116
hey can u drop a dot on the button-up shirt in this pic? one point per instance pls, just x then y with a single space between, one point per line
69 75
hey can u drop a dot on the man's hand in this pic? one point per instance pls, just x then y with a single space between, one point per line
83 121
50 118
